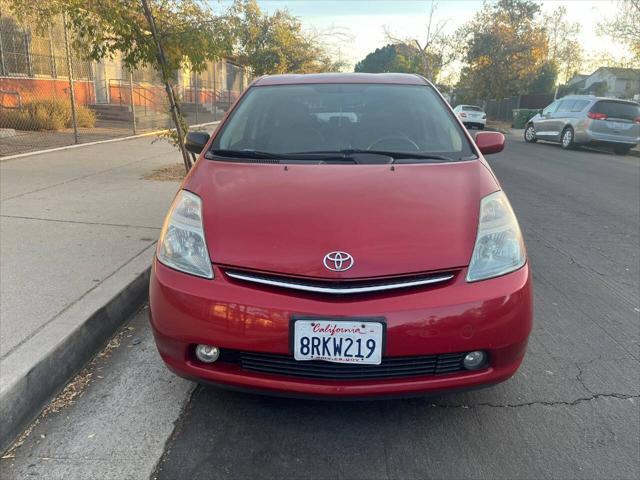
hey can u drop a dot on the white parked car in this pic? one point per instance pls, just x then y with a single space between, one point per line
471 116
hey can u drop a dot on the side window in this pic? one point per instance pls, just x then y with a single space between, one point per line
551 108
579 105
566 106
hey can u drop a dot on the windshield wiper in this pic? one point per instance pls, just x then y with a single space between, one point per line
276 157
245 153
401 155
350 152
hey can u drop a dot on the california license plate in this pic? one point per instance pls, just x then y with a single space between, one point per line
340 341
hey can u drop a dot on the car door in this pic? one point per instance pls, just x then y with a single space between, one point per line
560 118
544 123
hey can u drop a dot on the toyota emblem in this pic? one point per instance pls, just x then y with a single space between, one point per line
338 261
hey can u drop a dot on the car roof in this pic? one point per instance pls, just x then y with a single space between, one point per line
297 79
593 98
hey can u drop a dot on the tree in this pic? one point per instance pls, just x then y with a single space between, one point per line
434 50
164 34
545 80
392 58
565 51
276 43
625 26
505 49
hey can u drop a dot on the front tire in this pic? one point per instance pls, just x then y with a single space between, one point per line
621 150
566 139
530 134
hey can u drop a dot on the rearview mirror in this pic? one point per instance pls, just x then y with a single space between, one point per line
490 142
196 141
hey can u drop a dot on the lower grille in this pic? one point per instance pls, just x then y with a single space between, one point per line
391 367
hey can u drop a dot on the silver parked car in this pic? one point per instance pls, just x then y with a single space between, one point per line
587 120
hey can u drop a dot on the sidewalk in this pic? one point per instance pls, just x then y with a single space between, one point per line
78 228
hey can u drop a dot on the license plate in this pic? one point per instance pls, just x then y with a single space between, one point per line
339 341
620 125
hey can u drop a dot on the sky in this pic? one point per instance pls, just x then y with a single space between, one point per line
365 20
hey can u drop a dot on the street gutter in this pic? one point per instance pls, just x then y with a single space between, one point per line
42 366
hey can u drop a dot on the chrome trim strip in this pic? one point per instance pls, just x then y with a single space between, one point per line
341 290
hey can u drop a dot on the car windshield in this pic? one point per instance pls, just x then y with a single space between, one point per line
613 109
468 108
286 119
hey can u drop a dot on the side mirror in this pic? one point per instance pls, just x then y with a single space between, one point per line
196 141
490 142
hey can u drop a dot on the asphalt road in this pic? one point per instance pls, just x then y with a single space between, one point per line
572 410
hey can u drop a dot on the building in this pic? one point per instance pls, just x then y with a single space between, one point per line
33 65
613 82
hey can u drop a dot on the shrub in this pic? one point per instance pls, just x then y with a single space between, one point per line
46 114
521 116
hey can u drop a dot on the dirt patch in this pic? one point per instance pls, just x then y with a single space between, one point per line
168 173
498 126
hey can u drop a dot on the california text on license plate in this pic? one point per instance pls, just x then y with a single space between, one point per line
339 341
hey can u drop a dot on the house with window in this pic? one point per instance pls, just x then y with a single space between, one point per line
613 82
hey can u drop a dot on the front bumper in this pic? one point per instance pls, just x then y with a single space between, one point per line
493 315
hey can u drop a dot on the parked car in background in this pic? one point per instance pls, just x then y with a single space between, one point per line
471 116
587 120
341 235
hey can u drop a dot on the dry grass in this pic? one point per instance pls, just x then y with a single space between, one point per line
169 173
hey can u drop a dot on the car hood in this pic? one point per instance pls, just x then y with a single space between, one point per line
393 221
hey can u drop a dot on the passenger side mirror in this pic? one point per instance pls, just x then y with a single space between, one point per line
490 142
196 141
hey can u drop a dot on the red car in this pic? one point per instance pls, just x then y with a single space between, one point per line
342 236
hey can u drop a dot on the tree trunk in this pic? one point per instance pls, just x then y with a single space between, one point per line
174 107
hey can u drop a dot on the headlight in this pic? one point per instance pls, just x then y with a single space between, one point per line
182 245
499 248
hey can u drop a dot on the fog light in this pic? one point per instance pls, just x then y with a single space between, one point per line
474 360
207 353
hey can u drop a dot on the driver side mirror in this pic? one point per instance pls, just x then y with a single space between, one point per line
490 142
196 141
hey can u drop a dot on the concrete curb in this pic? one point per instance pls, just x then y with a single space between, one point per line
42 365
98 142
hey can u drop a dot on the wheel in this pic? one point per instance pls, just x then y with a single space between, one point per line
530 134
621 150
566 139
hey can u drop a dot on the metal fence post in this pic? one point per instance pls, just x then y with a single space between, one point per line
215 94
132 103
74 119
196 100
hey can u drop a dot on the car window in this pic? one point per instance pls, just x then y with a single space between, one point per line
579 105
333 117
470 108
550 108
566 106
615 109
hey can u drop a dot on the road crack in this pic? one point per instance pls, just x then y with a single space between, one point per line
544 403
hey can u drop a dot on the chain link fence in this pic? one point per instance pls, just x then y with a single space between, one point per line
51 97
